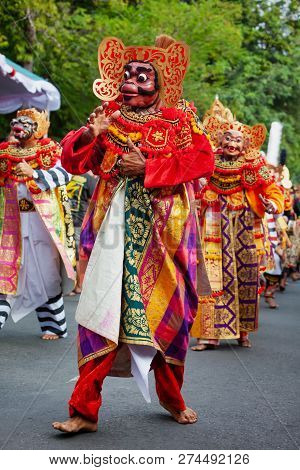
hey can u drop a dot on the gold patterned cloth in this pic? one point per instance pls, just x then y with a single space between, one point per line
233 269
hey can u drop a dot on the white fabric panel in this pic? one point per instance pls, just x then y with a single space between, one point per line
99 307
39 275
141 358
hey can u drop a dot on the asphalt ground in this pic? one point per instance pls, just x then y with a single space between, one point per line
246 399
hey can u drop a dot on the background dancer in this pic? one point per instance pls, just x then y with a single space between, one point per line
36 231
232 207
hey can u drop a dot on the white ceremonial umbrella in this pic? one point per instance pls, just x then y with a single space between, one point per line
20 88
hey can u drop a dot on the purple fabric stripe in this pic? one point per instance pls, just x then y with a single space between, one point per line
87 236
186 254
89 341
227 327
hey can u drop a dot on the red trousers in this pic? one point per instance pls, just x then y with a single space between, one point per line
86 398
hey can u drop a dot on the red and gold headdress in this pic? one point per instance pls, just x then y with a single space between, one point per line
219 119
40 117
170 62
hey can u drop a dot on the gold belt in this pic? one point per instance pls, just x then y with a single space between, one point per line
26 206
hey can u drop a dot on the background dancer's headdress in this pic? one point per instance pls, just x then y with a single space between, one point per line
274 144
170 59
219 119
40 117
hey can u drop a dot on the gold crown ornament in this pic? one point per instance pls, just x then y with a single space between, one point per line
218 120
170 59
40 117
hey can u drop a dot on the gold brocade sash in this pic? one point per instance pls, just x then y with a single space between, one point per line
212 246
51 211
10 240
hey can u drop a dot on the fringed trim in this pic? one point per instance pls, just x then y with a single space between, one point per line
218 293
134 136
213 239
218 190
206 299
238 207
227 179
229 171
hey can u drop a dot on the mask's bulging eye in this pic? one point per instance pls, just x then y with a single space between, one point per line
126 74
142 77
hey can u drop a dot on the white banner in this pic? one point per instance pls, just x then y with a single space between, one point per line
91 459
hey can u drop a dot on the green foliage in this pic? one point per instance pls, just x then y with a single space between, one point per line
264 86
246 51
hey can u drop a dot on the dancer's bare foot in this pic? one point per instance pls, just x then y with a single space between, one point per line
246 343
75 291
188 416
75 424
271 302
49 337
203 347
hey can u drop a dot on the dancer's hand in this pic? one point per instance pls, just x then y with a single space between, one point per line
132 163
268 205
99 122
23 169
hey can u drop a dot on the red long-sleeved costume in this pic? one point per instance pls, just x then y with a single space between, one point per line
185 155
172 164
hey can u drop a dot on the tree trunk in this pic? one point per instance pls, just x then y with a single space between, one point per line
30 34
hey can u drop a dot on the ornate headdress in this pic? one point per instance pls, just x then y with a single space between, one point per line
219 119
40 117
170 63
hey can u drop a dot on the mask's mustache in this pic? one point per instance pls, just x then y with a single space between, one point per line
141 91
146 92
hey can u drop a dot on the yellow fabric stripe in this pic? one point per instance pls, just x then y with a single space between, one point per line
166 283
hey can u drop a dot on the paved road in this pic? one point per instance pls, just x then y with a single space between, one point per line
247 399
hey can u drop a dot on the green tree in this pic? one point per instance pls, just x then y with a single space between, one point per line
264 85
244 50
